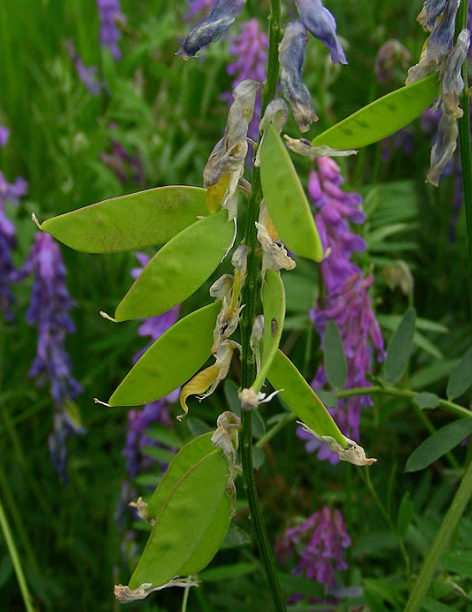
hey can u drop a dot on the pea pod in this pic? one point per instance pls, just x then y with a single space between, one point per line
382 117
170 360
273 301
286 200
301 398
183 521
183 461
178 269
129 222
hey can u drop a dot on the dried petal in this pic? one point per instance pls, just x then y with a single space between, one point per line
444 147
275 255
291 57
221 18
430 12
126 595
302 146
321 23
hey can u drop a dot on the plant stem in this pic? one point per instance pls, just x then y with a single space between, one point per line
15 559
464 147
441 540
249 297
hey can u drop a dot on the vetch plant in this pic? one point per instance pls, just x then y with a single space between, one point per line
190 511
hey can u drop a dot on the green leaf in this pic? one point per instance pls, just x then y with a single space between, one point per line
432 605
178 269
129 222
459 561
175 544
334 359
170 360
400 346
461 377
228 572
301 398
329 399
236 537
164 435
405 514
273 302
182 462
196 426
158 453
440 443
286 200
382 117
426 400
230 389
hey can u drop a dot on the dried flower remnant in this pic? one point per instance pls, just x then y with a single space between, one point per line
109 12
322 25
88 76
316 545
211 29
250 49
291 58
48 312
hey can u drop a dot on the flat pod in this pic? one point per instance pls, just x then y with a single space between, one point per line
170 360
184 460
286 200
273 302
178 269
301 398
182 523
129 222
382 117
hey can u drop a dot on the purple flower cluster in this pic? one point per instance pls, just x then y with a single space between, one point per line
155 412
109 12
346 302
126 166
48 311
250 49
317 546
88 76
392 60
9 192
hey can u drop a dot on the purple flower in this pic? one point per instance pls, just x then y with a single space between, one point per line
392 59
321 23
8 192
88 76
109 12
123 164
316 545
221 18
48 311
250 48
197 7
335 208
347 302
4 135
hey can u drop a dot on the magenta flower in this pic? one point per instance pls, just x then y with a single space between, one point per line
316 545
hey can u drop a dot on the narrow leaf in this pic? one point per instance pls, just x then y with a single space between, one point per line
228 572
170 360
301 398
400 346
405 514
382 117
334 359
183 522
461 377
273 302
178 269
459 561
129 222
286 200
440 443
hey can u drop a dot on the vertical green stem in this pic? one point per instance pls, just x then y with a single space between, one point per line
249 296
15 559
441 540
464 146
